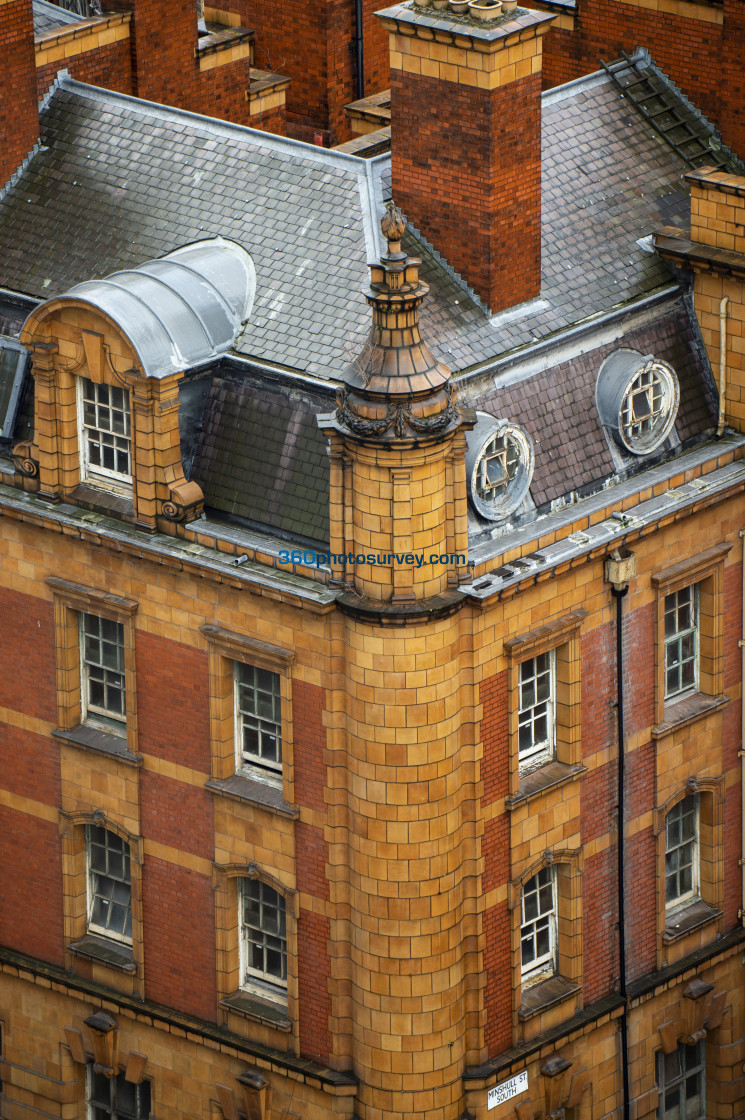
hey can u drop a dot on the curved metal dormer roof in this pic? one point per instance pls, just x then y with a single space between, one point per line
180 310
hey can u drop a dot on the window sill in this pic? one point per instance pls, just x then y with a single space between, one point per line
687 919
546 993
548 776
93 738
112 953
103 501
243 788
680 713
257 1009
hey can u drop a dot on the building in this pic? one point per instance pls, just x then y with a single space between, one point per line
290 832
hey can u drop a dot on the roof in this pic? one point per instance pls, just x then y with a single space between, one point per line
261 456
119 181
557 408
180 311
48 16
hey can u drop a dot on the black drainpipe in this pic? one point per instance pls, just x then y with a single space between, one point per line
358 49
619 594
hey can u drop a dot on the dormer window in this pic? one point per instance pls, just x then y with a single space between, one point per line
499 464
497 467
637 399
105 434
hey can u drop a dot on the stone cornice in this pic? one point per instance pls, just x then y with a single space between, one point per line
430 23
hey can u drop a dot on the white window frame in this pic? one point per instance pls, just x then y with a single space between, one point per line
678 1080
94 472
90 871
542 965
256 980
695 891
540 750
259 766
675 640
88 710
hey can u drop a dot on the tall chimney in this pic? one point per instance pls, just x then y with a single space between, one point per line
466 142
19 113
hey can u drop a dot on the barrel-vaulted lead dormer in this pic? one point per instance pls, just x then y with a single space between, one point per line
108 357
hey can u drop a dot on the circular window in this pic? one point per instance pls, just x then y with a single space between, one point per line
637 398
499 465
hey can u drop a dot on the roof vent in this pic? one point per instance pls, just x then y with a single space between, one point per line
499 466
637 399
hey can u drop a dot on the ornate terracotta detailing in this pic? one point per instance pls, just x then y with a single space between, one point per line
25 458
395 389
400 416
185 503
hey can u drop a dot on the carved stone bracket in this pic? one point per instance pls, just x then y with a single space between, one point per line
701 1010
100 1042
26 458
254 1095
562 1090
184 503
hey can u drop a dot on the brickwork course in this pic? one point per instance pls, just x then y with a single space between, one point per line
286 425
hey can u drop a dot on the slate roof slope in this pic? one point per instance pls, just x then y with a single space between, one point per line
119 181
261 456
557 406
48 16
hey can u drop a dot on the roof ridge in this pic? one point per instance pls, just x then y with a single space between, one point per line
280 144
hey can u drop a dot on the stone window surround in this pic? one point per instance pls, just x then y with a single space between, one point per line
562 636
114 955
70 601
676 923
236 1003
225 648
706 571
568 867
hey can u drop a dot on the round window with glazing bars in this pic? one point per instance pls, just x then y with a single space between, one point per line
501 469
647 412
637 397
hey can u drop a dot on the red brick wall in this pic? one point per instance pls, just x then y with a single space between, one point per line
109 66
640 781
311 857
640 900
598 804
30 765
638 669
598 676
270 120
496 850
707 61
498 993
19 118
178 911
165 671
314 1003
31 886
732 100
177 814
732 624
309 740
27 629
495 737
467 173
599 925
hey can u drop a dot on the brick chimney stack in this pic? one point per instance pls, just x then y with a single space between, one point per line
19 113
466 142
